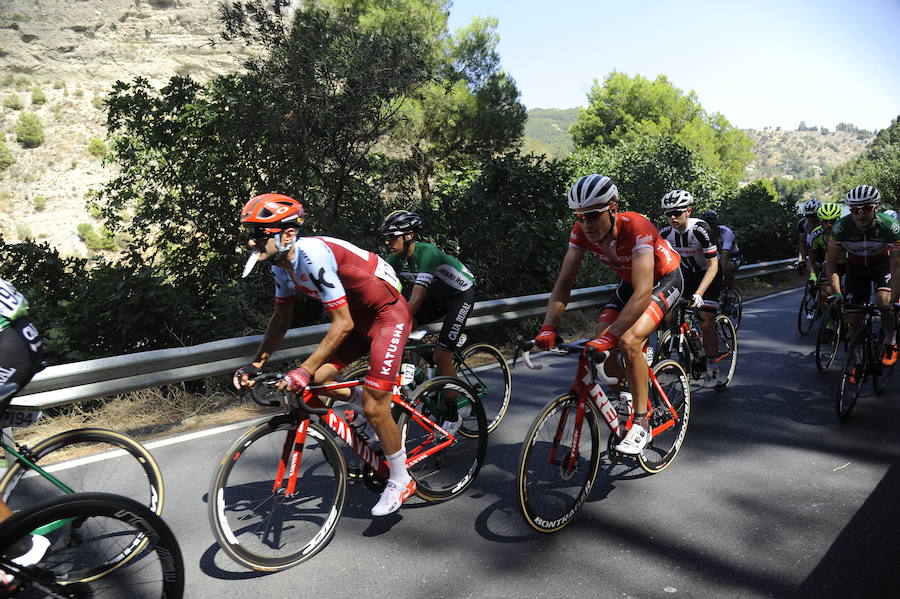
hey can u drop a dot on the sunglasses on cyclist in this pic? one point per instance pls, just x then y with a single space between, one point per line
590 214
862 209
391 237
674 213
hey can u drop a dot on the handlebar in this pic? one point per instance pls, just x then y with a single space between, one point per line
268 381
595 359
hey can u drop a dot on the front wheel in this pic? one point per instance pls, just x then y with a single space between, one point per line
87 532
829 339
558 464
255 520
853 375
444 473
669 412
809 307
725 359
484 368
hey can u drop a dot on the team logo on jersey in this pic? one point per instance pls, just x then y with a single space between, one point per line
320 281
895 228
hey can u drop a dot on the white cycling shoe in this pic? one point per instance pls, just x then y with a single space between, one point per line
635 440
393 497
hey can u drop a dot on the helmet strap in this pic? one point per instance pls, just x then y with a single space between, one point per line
407 243
612 224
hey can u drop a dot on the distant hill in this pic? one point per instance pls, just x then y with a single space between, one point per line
788 154
547 131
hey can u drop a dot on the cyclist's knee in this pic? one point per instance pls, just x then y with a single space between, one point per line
631 344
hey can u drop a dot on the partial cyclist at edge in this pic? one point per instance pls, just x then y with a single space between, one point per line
21 357
436 285
730 257
694 241
652 282
872 243
367 314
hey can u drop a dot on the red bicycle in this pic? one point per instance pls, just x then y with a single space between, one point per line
278 493
561 455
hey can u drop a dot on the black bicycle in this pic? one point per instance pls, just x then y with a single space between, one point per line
810 308
832 334
863 360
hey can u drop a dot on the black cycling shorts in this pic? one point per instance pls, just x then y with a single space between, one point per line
454 310
662 297
21 352
861 277
711 297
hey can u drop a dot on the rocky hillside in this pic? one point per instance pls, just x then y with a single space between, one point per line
71 52
800 154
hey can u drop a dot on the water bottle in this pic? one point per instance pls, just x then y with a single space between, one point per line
361 426
625 405
695 341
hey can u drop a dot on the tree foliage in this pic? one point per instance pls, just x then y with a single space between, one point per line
627 108
878 166
29 130
764 224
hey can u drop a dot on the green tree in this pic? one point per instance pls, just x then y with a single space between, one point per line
878 166
38 96
6 157
627 108
29 130
765 226
13 102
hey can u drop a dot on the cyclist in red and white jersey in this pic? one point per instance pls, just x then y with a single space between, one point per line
651 282
367 313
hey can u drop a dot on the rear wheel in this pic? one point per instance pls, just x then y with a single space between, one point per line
484 368
726 353
447 472
670 410
855 369
255 521
557 468
733 306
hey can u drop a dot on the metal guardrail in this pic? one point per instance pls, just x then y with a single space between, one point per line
78 381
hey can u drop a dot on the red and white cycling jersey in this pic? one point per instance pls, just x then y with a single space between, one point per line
336 273
635 235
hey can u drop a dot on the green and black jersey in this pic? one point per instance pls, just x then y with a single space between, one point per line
13 304
443 275
818 245
870 246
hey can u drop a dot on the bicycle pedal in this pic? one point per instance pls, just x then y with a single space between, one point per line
354 472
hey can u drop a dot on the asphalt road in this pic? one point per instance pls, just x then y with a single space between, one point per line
770 496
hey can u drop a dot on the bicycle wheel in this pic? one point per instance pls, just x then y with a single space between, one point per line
848 391
449 471
668 428
86 459
89 531
554 477
260 526
484 368
726 353
828 340
735 308
808 309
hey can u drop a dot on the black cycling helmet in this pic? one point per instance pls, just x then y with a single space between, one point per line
399 222
710 216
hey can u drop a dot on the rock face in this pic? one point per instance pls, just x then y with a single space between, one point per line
73 51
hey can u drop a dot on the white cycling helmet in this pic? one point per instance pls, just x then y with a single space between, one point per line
592 192
863 194
677 198
811 206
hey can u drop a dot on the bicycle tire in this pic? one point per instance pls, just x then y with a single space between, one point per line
110 474
668 429
737 308
808 306
827 349
256 525
727 351
848 392
485 369
448 472
105 524
550 491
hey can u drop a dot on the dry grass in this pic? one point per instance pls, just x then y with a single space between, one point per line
158 412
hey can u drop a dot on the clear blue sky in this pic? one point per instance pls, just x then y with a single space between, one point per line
760 63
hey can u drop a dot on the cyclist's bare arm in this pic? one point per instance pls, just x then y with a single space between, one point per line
419 292
642 282
831 262
279 323
801 246
712 268
559 298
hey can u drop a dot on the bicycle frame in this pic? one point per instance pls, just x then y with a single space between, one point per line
291 455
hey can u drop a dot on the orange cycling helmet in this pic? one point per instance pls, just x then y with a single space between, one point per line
272 212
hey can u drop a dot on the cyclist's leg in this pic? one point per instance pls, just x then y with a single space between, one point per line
883 299
858 291
708 316
457 309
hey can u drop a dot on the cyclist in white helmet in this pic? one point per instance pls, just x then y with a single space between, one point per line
805 226
695 242
651 282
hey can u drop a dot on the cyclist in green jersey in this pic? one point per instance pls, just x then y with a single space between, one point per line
435 284
818 239
872 243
